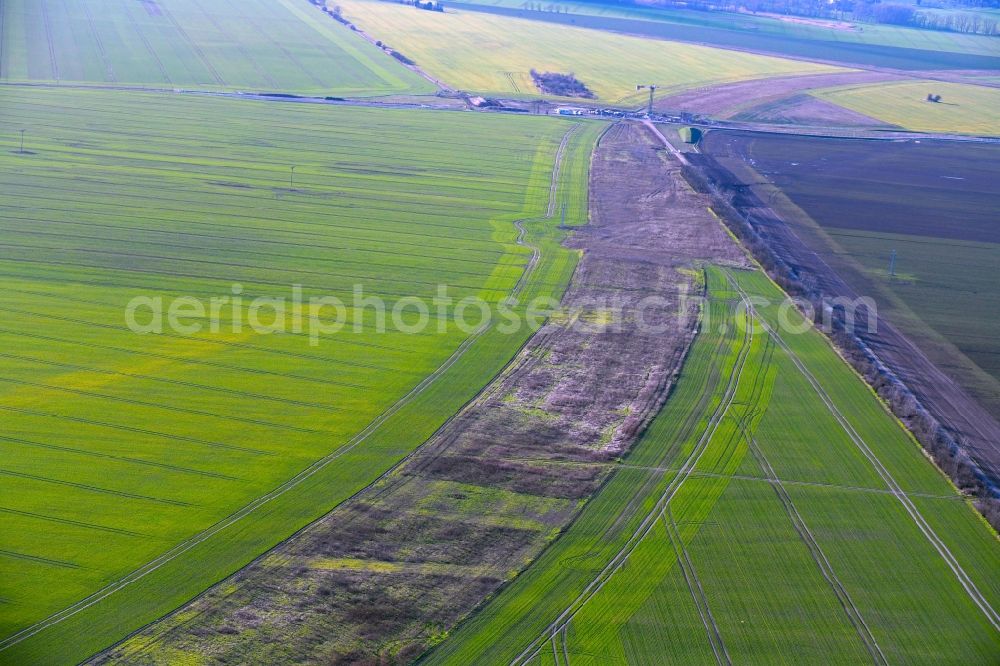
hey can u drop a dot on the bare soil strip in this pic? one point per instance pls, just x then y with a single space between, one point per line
445 530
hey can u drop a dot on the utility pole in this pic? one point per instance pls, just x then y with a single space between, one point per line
892 264
652 89
291 178
22 143
562 223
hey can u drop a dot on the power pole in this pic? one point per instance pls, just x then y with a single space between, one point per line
562 223
892 264
22 143
652 89
291 178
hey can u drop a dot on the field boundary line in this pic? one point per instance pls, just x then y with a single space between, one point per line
963 578
700 601
651 518
288 485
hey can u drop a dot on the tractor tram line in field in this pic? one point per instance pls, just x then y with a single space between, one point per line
182 360
250 253
247 57
691 580
744 427
652 517
108 67
53 62
285 52
172 408
290 232
302 476
195 48
172 382
272 200
217 237
139 431
122 459
963 578
221 343
822 563
154 56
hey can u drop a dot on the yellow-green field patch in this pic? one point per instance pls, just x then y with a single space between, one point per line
495 54
963 109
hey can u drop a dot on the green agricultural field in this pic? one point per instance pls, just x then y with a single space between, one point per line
140 468
253 45
774 512
495 54
963 109
834 40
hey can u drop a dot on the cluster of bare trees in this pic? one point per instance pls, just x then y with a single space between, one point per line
867 11
912 16
969 22
564 85
946 450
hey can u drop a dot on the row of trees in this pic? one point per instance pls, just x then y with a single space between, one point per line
951 16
